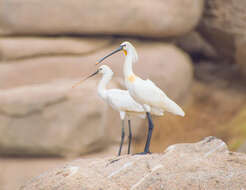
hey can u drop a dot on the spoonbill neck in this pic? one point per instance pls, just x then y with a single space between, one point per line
128 65
101 89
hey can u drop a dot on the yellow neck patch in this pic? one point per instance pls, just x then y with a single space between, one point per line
131 78
125 52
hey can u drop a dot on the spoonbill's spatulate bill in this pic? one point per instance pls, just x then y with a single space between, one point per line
145 92
119 100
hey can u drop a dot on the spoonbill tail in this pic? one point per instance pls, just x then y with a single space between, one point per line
145 92
119 100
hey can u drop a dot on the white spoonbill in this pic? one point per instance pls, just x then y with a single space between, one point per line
119 100
145 92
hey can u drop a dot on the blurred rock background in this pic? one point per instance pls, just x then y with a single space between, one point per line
194 50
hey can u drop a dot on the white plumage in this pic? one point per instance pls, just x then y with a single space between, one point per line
152 97
120 100
145 92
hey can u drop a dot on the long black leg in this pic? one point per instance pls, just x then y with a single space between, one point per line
122 137
150 130
129 137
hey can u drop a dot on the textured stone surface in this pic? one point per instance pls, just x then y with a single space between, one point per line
55 120
26 47
169 18
204 165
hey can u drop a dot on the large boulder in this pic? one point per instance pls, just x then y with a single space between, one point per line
164 64
28 47
169 18
55 120
207 164
224 25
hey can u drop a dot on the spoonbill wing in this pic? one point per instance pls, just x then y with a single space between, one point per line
121 100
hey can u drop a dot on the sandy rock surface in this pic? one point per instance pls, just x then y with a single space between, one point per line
204 165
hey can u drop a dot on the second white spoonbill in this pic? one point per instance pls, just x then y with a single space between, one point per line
121 101
144 92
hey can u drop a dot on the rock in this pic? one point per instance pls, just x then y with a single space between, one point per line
224 25
168 66
207 164
196 45
26 47
14 172
55 120
170 18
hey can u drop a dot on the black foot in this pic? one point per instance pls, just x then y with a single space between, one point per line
143 153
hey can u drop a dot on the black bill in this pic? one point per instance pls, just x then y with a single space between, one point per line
113 52
93 74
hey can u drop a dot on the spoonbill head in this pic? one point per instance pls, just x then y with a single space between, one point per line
127 48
